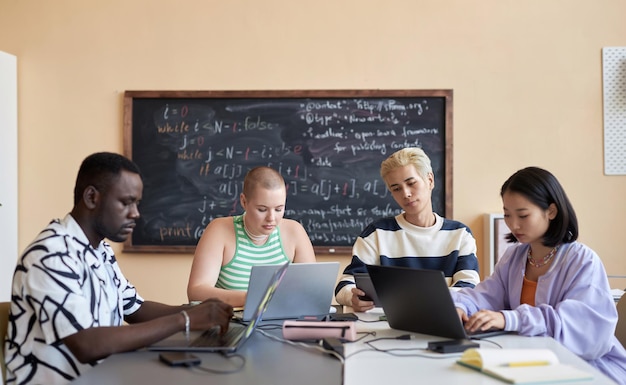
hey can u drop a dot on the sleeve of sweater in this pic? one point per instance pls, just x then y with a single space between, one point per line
363 252
578 296
466 270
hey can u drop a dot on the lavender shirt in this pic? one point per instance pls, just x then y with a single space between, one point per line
570 297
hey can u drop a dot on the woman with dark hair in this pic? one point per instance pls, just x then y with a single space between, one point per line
547 283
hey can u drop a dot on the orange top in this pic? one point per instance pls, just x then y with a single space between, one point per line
528 292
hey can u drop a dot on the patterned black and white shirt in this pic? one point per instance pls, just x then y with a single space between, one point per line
61 285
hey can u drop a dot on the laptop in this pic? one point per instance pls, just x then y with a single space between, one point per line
306 290
419 301
364 282
238 333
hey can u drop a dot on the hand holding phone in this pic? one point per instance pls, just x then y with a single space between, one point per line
364 283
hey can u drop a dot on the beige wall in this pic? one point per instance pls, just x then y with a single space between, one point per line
526 75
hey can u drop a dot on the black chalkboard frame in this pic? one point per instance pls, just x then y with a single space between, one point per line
445 94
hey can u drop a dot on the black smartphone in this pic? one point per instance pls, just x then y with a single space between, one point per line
364 282
343 317
179 359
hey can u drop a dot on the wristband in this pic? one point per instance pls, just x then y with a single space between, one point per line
187 322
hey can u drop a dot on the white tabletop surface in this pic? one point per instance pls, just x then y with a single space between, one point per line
363 365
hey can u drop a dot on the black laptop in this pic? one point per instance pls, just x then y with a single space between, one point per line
419 301
238 333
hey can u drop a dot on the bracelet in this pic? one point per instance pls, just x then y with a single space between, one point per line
187 322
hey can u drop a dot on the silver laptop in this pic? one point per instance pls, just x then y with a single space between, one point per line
212 340
306 290
419 301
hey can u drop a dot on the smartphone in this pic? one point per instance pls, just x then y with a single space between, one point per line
343 317
179 359
364 282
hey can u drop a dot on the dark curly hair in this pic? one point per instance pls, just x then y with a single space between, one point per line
101 170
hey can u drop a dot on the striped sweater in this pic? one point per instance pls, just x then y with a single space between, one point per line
448 246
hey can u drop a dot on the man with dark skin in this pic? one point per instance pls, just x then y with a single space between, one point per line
70 298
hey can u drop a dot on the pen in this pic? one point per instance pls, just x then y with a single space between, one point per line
527 363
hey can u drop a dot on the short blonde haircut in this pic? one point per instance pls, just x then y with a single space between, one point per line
414 156
262 177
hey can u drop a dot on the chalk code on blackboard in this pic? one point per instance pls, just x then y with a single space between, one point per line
194 154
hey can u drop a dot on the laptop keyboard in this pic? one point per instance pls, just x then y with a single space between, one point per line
212 337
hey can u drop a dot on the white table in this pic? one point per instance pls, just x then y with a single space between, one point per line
272 362
365 366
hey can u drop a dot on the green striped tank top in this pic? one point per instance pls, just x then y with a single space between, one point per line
236 274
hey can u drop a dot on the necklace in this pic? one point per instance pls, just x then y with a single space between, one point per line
545 259
253 237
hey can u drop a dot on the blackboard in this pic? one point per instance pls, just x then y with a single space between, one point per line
195 147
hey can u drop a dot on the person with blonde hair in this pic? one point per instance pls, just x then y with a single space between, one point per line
230 246
417 238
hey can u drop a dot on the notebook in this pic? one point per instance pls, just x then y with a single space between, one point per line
364 282
237 335
521 366
306 290
419 301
